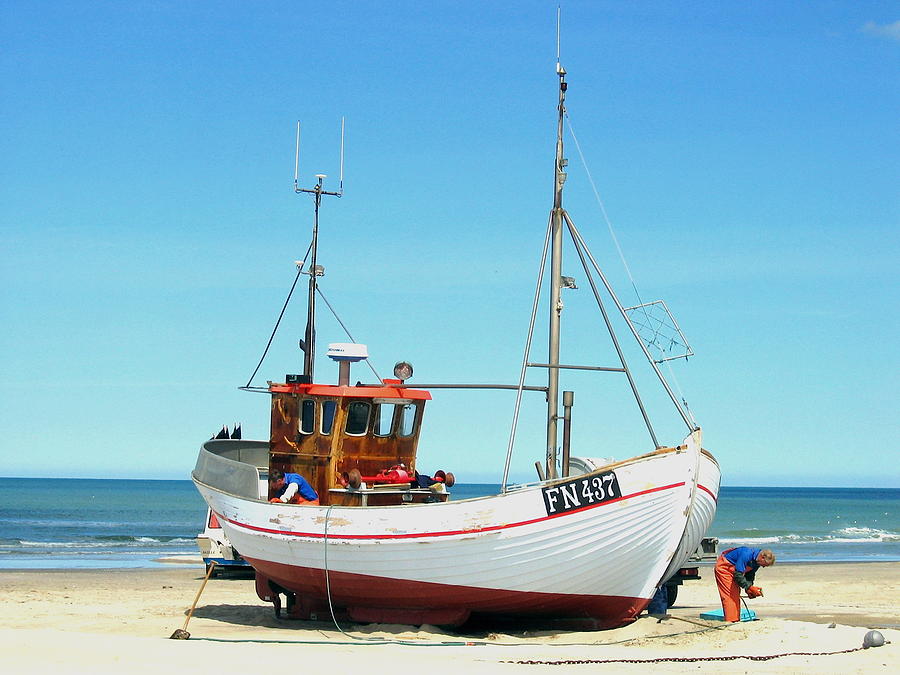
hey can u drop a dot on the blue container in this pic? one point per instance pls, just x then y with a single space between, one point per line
719 615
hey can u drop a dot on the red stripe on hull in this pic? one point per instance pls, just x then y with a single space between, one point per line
709 492
363 596
449 533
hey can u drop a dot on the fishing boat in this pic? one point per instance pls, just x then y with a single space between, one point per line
586 541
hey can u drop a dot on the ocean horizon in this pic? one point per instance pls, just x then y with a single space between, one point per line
68 523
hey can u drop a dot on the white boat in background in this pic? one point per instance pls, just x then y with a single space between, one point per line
214 545
215 549
388 545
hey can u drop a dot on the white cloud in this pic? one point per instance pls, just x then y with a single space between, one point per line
888 30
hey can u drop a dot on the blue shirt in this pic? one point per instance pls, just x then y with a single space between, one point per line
303 488
743 558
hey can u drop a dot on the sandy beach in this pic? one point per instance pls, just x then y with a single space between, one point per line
120 621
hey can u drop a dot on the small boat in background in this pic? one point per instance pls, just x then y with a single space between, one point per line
588 542
215 548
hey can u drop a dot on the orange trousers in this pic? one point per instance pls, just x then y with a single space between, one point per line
729 591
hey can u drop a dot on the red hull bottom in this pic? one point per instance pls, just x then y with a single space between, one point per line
368 599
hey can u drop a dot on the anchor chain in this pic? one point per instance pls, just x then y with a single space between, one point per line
680 659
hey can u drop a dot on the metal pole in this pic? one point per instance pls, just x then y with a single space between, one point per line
521 387
310 350
691 425
568 401
556 306
416 385
581 249
553 365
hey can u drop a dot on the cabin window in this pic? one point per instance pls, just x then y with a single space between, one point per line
328 410
408 420
384 417
357 418
307 416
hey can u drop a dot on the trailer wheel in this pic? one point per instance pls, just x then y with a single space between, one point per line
671 594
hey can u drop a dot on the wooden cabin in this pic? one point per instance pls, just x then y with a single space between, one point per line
326 432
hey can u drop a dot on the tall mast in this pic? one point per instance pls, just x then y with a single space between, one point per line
556 306
309 341
309 352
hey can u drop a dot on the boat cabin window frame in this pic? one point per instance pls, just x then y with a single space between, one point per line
408 411
306 424
329 410
380 410
351 419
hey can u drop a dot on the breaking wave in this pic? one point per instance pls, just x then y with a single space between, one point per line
846 535
102 542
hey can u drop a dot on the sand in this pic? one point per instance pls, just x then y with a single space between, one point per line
119 621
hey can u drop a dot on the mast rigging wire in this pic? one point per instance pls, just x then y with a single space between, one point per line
521 387
609 226
612 234
576 235
280 316
581 249
346 330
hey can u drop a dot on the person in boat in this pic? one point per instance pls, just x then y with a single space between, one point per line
291 488
422 481
736 570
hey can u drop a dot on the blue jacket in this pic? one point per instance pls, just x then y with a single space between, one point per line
744 560
303 488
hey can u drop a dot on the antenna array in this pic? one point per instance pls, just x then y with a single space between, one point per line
318 188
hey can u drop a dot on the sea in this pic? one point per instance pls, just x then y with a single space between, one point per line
93 523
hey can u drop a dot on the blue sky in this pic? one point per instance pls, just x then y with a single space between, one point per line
747 155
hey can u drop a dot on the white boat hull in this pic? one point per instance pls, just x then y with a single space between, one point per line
566 548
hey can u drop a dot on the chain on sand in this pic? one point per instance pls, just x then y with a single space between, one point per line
681 659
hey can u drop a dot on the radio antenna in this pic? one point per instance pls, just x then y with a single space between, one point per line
341 188
557 36
297 161
318 189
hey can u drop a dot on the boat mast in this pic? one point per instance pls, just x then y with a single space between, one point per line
309 341
309 353
556 305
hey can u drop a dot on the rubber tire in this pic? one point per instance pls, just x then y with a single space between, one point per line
671 594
